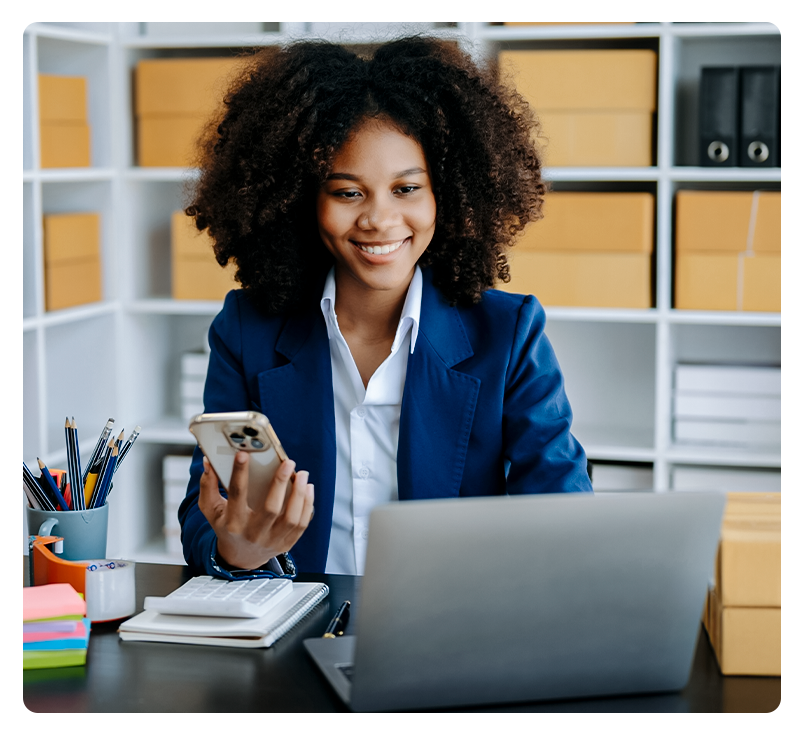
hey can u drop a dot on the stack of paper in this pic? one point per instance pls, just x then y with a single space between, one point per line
55 632
730 405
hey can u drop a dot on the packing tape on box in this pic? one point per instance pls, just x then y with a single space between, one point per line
108 585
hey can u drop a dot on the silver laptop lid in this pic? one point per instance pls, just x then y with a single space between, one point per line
479 600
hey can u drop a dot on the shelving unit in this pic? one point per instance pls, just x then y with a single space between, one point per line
121 357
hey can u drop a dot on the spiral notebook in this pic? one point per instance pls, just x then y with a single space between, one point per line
234 632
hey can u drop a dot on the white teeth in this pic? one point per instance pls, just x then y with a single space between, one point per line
380 249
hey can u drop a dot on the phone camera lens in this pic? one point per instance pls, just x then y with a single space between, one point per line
237 438
257 444
249 431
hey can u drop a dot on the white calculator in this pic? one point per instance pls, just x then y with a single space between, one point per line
210 596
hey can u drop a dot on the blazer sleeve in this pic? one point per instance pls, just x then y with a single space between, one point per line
541 452
225 389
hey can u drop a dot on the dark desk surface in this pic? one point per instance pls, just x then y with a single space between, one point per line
163 677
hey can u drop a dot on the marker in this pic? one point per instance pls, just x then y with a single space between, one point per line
339 622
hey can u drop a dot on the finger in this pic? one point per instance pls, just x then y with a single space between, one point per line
299 511
275 498
296 499
210 502
238 488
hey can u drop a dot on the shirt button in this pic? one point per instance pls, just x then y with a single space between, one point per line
361 412
365 534
363 472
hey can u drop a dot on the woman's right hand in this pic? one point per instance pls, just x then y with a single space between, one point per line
247 537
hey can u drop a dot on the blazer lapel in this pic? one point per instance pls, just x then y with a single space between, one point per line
438 404
298 399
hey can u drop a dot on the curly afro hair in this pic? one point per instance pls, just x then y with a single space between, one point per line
264 158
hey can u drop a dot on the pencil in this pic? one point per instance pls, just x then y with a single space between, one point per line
125 449
49 485
96 490
72 474
106 481
99 448
45 503
94 478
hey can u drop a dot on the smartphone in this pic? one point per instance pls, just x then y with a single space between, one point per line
222 435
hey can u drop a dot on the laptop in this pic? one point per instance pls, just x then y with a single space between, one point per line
472 601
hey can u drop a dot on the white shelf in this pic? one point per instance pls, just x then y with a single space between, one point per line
618 363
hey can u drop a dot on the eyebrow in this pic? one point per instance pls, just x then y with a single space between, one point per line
398 175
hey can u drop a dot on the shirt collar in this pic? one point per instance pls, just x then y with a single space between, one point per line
410 313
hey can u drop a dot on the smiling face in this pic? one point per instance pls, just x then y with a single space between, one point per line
376 211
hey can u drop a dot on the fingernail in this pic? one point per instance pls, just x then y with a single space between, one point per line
287 468
206 464
241 457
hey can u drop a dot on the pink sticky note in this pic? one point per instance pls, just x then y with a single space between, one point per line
51 601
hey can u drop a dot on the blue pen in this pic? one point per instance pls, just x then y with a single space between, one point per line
107 479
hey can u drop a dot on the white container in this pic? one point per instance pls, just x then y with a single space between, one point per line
759 381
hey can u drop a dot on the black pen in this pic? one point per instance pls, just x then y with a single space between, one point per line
339 622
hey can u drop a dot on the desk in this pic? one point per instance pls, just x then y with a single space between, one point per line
157 677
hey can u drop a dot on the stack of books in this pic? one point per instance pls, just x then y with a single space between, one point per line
55 632
728 405
175 476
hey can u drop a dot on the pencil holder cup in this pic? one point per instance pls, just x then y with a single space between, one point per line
83 531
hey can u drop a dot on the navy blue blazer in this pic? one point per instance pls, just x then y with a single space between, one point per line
484 410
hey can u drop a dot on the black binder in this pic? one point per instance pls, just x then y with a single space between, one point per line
718 116
760 116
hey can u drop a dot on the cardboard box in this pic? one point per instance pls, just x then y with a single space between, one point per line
195 272
748 565
713 221
72 260
596 107
168 141
728 282
596 138
768 223
747 640
174 99
64 145
189 87
620 79
608 280
72 283
593 221
62 99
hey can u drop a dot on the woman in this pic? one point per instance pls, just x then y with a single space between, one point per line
369 205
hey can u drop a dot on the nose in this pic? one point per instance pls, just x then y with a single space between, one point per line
378 214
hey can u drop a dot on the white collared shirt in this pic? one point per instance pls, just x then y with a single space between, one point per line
367 428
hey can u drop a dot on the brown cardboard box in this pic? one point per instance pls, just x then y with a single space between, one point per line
592 138
748 567
595 106
62 99
727 282
195 87
168 141
174 99
72 283
64 145
607 280
584 80
768 223
747 640
712 221
195 272
71 236
72 260
593 221
727 250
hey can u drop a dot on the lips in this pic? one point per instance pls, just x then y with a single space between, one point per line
380 249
